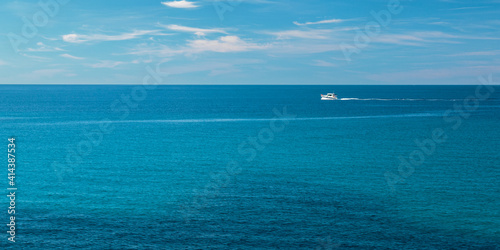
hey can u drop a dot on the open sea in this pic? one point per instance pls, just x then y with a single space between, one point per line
252 167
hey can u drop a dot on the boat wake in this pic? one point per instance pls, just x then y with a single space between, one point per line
402 99
214 120
17 118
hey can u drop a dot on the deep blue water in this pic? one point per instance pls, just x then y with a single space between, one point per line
326 179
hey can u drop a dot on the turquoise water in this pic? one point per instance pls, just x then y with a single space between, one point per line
178 168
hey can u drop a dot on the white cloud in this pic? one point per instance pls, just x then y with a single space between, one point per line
196 31
77 38
400 39
43 48
36 58
319 22
418 38
302 47
479 53
223 44
470 8
308 34
106 64
423 37
183 4
72 57
2 62
322 63
49 38
137 61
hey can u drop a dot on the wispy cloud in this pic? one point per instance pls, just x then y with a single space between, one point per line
256 1
420 38
223 44
319 22
322 63
36 58
303 48
470 8
43 48
106 64
479 53
183 4
307 34
3 62
401 39
77 38
71 57
196 31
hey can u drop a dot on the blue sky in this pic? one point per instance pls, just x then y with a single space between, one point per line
250 41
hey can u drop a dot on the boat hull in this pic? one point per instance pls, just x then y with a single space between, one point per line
329 98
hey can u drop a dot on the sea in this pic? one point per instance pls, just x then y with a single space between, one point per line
251 167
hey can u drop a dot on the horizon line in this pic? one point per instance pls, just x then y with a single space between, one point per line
246 84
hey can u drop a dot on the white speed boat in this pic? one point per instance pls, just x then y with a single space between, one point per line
329 96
